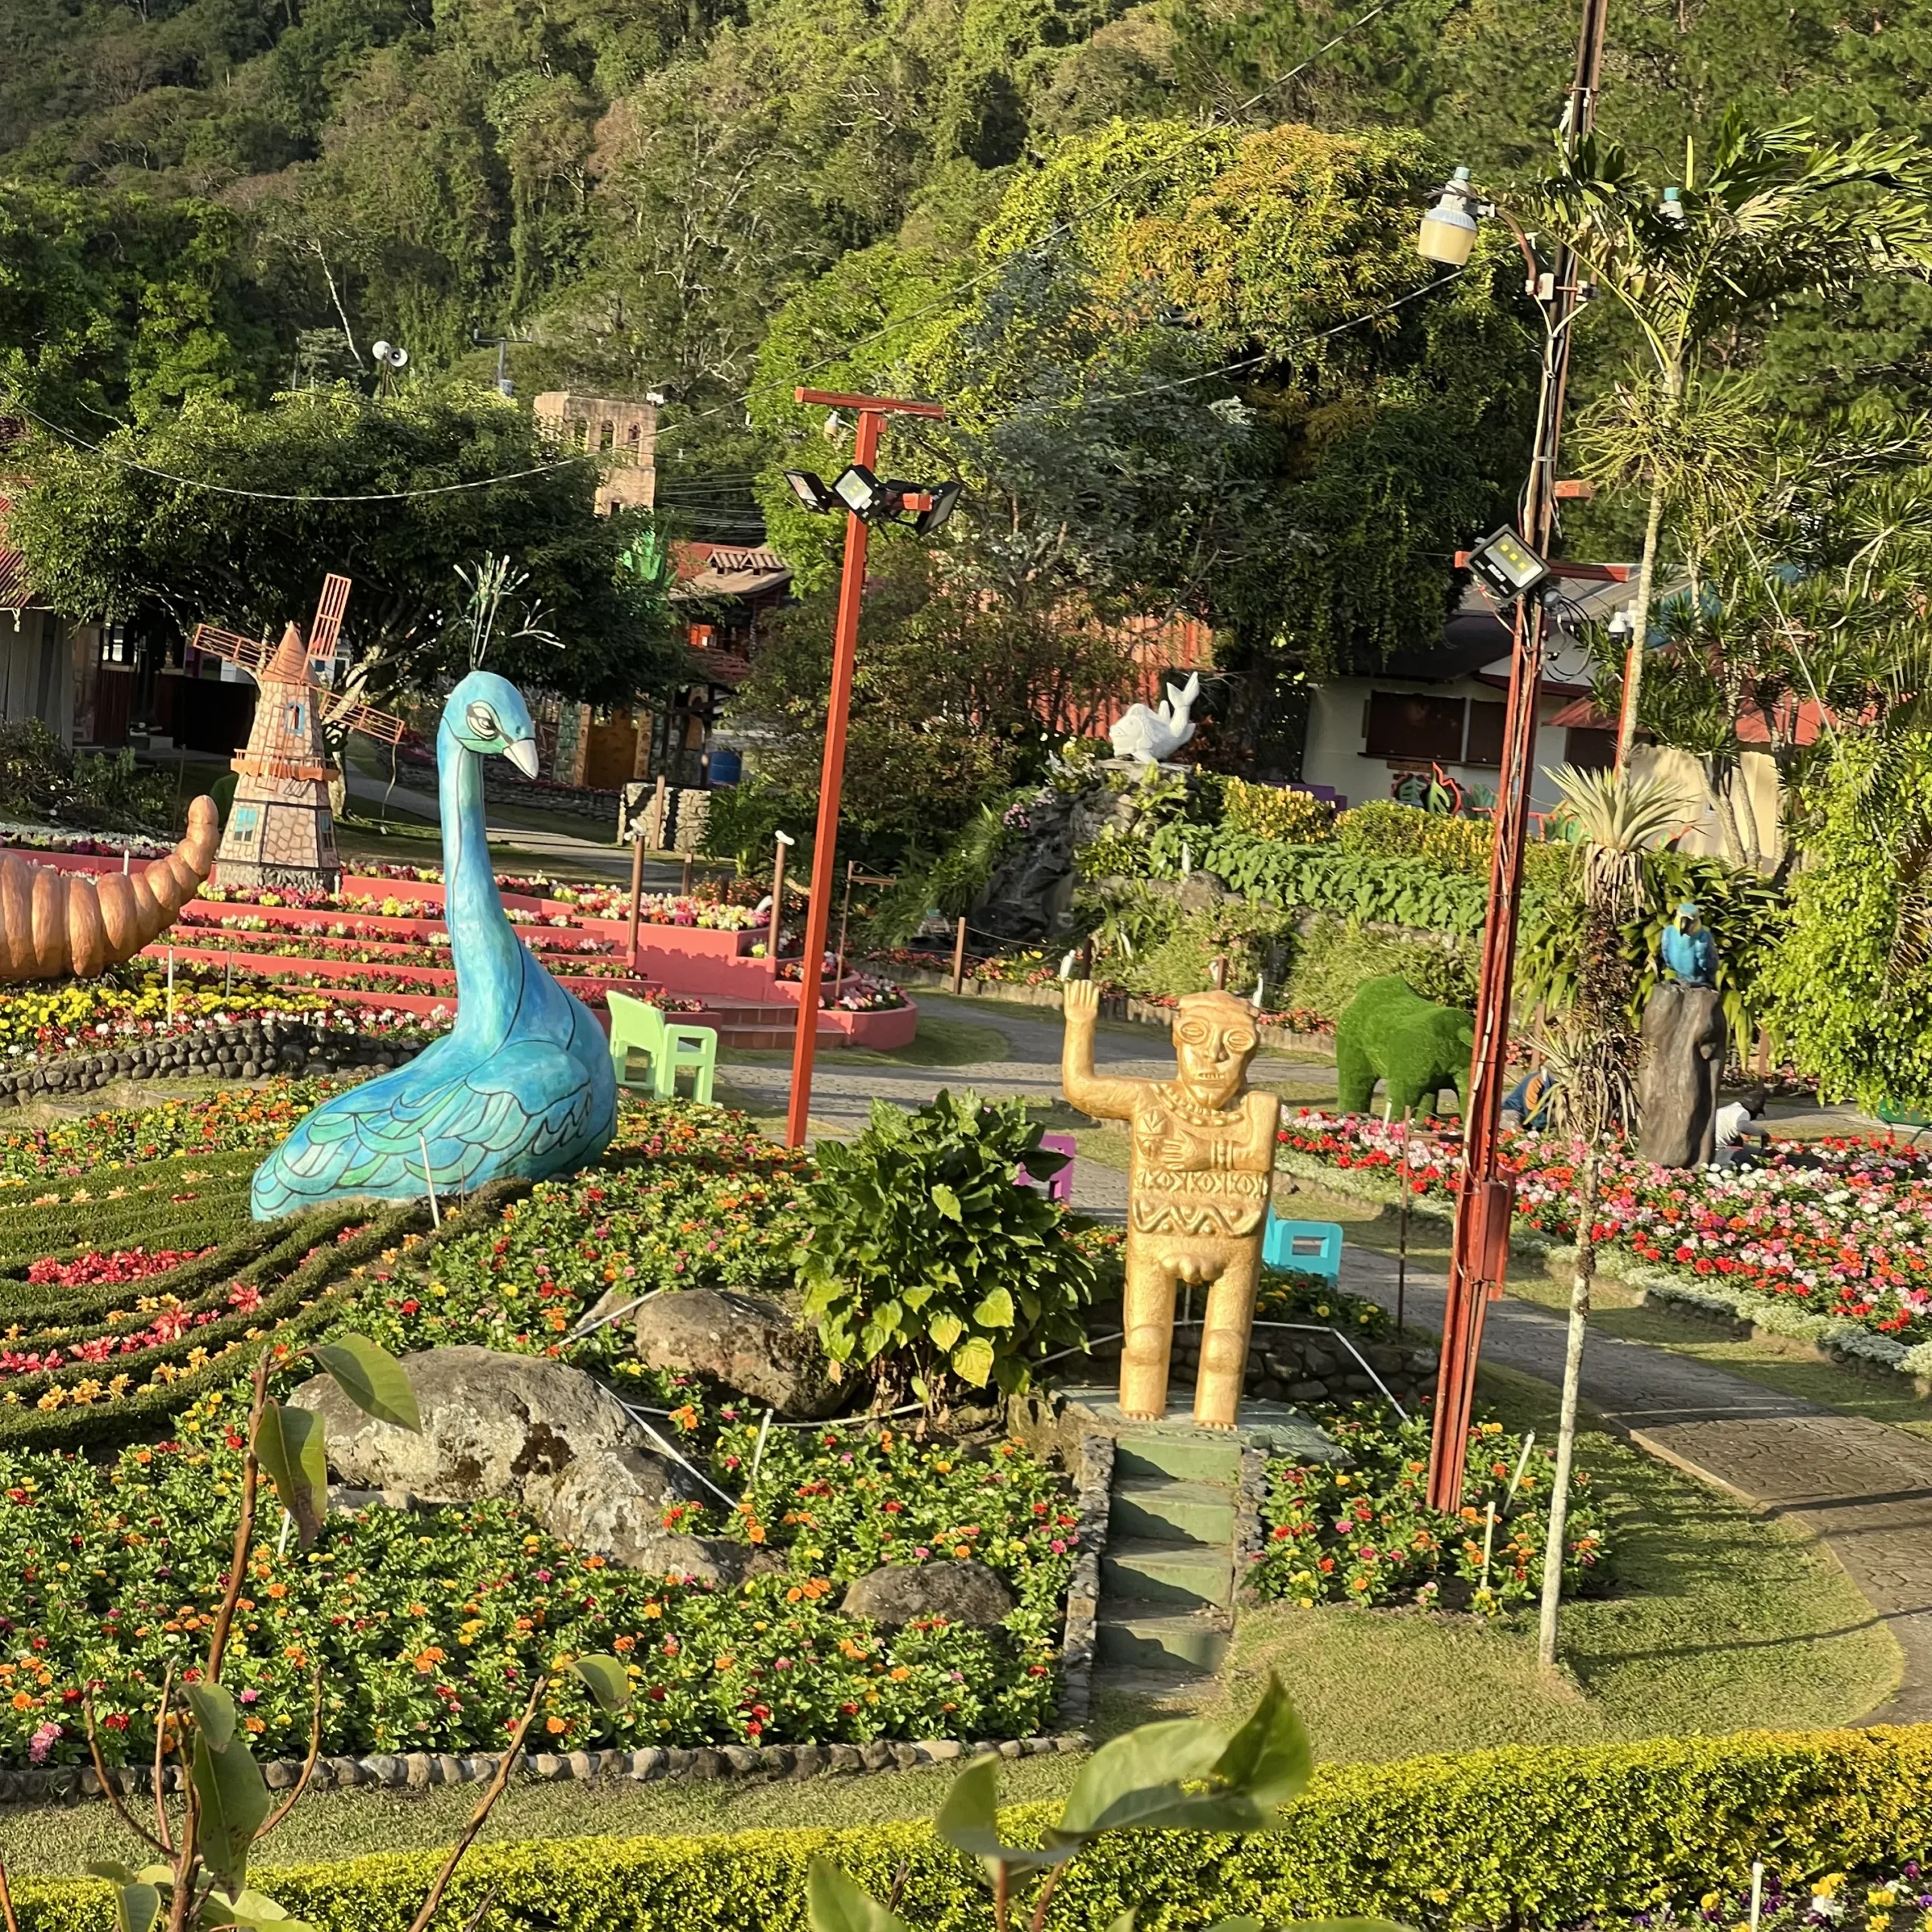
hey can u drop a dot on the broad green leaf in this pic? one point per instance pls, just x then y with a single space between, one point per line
1269 1758
995 1310
973 1361
946 1329
136 1907
969 1819
371 1378
607 1681
1133 1778
234 1801
947 1202
214 1713
834 1904
114 1872
252 1908
1124 1923
289 1443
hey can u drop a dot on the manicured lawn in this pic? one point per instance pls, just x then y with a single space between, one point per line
1719 1621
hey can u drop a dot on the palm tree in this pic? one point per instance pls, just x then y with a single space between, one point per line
1594 1057
1771 215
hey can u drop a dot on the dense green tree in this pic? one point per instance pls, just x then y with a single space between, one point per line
1198 370
104 537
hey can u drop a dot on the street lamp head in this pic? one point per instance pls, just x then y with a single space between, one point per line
1448 231
1509 566
863 494
810 491
945 501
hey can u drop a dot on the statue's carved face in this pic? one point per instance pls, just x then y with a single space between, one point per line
1213 1050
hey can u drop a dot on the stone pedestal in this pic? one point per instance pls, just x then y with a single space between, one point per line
1685 1040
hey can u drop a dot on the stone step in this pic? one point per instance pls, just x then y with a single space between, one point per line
1158 1509
1156 1641
1136 1570
1196 1457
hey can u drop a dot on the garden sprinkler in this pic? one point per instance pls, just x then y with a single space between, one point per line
1402 1216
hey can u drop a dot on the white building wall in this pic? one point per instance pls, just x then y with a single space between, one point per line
1337 729
36 671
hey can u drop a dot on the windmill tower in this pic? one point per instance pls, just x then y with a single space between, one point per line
281 831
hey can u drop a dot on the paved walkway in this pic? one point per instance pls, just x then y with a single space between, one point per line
1866 1489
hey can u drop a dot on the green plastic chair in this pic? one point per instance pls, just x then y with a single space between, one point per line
1893 1115
637 1026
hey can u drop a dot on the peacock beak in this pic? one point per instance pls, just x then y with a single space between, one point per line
522 753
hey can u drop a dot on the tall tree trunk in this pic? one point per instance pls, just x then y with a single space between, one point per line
1566 1426
1646 572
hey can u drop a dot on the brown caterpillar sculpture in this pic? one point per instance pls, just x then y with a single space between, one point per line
53 923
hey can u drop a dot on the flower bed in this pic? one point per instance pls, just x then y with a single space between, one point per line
689 1196
427 1627
1365 1534
1838 1230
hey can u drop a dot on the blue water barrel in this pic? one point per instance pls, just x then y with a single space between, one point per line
726 767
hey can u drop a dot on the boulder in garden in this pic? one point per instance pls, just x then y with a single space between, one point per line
962 1592
523 1428
741 1342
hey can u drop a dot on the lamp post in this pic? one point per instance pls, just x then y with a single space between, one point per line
866 500
1512 564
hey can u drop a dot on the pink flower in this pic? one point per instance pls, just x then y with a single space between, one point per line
41 1742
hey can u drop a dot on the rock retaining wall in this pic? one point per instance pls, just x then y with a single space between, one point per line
247 1051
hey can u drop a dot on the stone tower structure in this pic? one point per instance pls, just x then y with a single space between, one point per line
280 829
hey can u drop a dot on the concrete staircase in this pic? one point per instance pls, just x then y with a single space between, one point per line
1167 1575
747 1023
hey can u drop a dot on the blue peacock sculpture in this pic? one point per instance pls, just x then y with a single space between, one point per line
522 1083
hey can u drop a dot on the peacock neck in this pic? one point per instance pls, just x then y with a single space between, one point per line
484 947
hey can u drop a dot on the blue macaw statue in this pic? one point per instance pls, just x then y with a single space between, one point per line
522 1085
1690 951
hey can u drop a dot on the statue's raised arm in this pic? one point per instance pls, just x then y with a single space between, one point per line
1105 1099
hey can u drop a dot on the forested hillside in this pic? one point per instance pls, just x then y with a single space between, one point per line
632 187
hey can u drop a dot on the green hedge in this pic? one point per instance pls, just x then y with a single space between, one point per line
1522 1837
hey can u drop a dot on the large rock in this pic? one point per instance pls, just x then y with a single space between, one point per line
962 1592
744 1343
523 1428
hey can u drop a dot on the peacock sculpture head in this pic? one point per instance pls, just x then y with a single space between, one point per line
486 714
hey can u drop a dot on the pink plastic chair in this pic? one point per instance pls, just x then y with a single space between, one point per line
1059 1187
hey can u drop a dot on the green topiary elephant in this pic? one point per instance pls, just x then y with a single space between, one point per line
1390 1033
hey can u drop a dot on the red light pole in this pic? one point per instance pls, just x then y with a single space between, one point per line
1480 1256
872 411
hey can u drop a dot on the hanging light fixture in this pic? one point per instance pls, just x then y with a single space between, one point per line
1448 231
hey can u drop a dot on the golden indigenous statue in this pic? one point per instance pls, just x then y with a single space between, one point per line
1203 1155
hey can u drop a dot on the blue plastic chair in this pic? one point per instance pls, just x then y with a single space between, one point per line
1309 1248
637 1026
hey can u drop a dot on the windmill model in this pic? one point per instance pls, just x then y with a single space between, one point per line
281 831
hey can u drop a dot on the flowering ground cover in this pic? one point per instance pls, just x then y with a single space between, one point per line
427 1628
654 908
1841 1228
1365 1534
688 1195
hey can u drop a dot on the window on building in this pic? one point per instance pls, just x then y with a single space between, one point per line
245 825
1401 725
1485 732
1589 749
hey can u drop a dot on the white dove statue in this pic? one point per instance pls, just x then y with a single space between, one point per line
1150 736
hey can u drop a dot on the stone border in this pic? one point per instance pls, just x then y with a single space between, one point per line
1843 1343
1250 1534
247 1051
416 1770
1093 1498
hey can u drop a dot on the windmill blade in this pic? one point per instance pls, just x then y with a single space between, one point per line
366 719
248 652
328 617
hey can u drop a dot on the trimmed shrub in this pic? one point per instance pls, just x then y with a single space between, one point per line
1527 1837
1275 811
1330 962
1383 830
